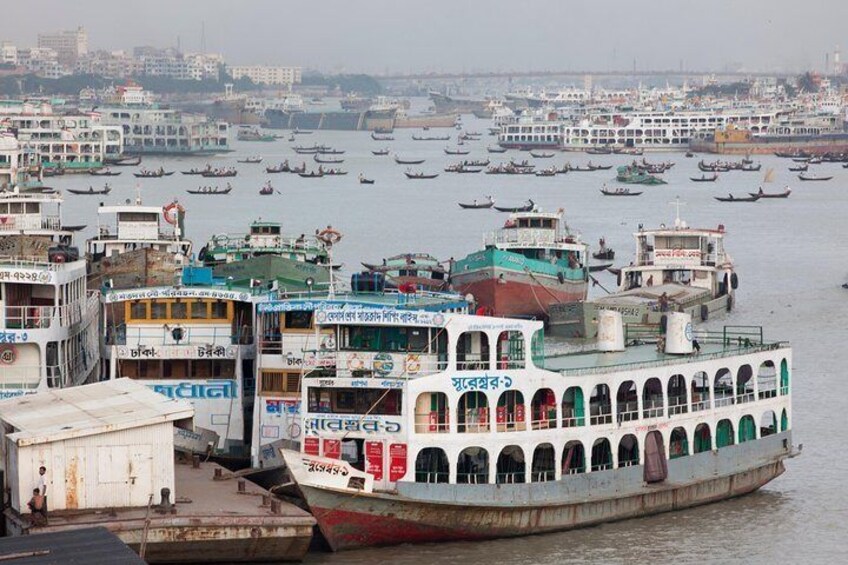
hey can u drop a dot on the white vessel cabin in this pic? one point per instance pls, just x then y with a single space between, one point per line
290 345
48 329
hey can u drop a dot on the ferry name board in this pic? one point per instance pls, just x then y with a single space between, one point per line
370 425
347 314
485 382
173 292
676 256
211 389
177 352
37 276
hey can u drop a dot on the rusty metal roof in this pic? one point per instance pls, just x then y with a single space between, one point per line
88 546
109 406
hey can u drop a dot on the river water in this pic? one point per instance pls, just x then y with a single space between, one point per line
790 255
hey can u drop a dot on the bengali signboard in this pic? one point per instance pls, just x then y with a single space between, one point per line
36 276
178 352
176 292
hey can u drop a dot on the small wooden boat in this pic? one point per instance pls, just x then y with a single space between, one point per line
193 172
595 267
266 189
731 198
541 155
690 154
526 208
600 167
478 205
620 192
431 138
300 150
301 131
599 151
254 160
704 178
219 174
606 254
400 161
331 161
334 173
363 180
812 177
329 151
799 169
211 191
420 175
312 175
105 190
376 137
126 161
283 168
54 172
491 149
153 174
761 194
547 173
457 151
106 173
380 152
750 168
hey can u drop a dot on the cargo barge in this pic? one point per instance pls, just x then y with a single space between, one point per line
733 141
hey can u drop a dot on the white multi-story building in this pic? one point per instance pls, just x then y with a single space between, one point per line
181 66
68 44
261 74
42 61
8 53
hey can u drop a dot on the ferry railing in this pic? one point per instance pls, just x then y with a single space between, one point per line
432 422
527 237
747 396
472 478
373 364
628 463
509 478
653 408
542 476
431 477
14 378
700 401
136 336
543 419
472 363
16 223
677 405
511 423
627 412
570 421
600 415
28 262
602 467
768 393
724 399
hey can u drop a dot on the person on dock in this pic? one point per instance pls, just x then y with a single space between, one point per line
38 507
42 480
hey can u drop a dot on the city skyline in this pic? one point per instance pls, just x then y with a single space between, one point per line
381 37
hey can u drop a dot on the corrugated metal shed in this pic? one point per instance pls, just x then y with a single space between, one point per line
57 415
89 546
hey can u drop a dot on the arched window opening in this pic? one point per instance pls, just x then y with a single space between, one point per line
431 413
472 352
573 411
431 466
678 445
628 451
627 402
723 388
652 399
544 464
543 410
768 423
767 380
510 352
472 466
472 415
510 412
600 408
601 455
678 403
700 391
510 465
656 465
747 429
745 384
784 377
724 433
573 458
703 439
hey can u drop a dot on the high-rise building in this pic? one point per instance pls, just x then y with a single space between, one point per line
261 74
69 45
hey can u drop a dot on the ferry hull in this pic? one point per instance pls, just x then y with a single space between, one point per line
352 520
518 295
837 143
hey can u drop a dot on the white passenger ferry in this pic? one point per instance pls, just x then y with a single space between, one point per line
676 268
498 441
48 317
661 131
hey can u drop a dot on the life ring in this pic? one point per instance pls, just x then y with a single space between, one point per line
330 236
171 212
705 312
355 362
734 281
413 363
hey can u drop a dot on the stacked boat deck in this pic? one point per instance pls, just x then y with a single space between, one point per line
211 522
585 362
648 295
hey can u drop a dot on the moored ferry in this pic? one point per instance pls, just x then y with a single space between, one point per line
48 317
534 261
677 268
499 441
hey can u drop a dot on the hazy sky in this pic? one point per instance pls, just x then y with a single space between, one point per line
456 35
